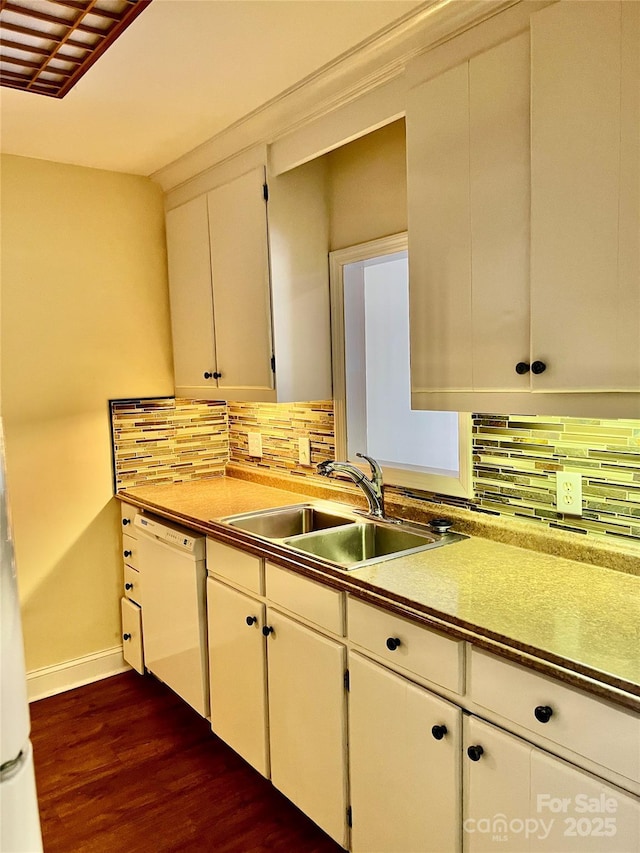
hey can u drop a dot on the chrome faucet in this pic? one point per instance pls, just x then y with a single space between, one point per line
372 488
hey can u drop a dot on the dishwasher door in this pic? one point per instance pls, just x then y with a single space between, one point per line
174 621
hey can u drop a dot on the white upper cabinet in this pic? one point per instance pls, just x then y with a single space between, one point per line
523 195
468 195
219 287
194 346
250 295
585 190
240 278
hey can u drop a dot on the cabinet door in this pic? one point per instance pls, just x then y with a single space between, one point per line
439 234
583 813
519 798
132 634
191 296
468 198
404 782
585 196
237 672
496 789
240 273
307 722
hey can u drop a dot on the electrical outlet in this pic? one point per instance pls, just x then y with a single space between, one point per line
255 443
569 493
304 451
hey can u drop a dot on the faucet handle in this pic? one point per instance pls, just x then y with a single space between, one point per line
376 471
324 467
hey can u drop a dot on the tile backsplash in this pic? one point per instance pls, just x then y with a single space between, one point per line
281 425
515 457
165 440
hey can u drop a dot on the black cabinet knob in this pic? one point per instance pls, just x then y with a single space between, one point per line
126 636
128 586
543 713
207 375
127 553
522 367
538 367
475 752
217 375
251 620
266 630
393 643
439 732
126 521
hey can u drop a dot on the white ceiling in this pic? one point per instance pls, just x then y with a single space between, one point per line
182 72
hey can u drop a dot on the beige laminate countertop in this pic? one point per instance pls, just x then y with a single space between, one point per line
570 619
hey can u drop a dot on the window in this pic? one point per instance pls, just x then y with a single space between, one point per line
430 451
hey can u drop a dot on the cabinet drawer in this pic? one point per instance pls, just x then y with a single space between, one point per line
420 650
128 514
235 565
130 550
132 589
595 729
310 600
132 634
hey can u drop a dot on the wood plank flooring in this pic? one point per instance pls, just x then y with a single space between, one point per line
125 765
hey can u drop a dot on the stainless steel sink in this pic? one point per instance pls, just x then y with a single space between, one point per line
363 544
287 521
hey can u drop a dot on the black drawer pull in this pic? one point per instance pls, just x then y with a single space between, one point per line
128 553
126 636
128 586
439 732
543 713
251 620
266 630
393 643
475 753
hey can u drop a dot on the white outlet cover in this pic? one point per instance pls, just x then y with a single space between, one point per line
304 450
255 443
569 493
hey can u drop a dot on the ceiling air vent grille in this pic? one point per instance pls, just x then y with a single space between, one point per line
47 45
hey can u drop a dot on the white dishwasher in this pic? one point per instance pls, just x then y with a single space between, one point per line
174 616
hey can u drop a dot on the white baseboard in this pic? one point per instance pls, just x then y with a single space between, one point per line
49 680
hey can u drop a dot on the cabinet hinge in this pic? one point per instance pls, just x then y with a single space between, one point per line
346 680
349 817
265 191
273 363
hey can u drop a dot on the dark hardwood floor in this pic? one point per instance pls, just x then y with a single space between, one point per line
124 765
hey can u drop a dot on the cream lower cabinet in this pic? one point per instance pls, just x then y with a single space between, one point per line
131 601
237 672
278 695
307 721
519 798
404 755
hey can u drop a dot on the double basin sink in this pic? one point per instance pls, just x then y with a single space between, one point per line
339 539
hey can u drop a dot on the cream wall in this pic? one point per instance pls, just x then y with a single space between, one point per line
368 187
85 318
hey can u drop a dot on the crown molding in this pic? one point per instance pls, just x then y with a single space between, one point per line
364 69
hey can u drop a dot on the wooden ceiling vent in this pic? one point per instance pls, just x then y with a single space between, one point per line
47 45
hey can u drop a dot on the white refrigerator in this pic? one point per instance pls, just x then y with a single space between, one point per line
19 818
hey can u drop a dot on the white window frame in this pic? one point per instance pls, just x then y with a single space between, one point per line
460 486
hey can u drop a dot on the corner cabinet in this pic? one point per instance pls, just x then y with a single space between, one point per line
249 290
524 220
